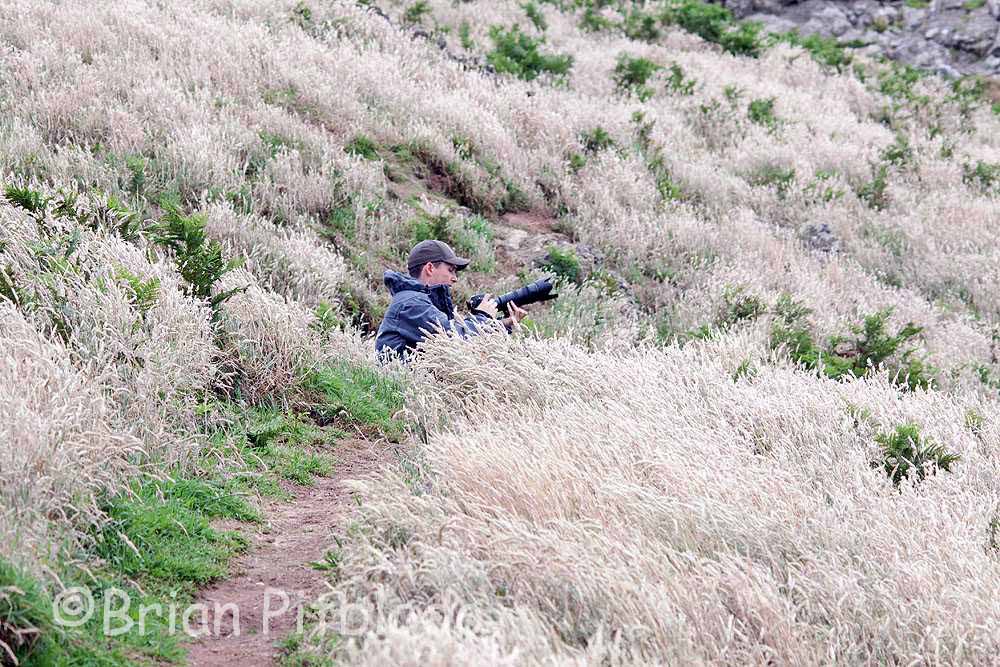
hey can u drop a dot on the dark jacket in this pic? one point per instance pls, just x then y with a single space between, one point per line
416 311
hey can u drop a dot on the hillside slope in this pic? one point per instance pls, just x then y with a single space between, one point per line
758 426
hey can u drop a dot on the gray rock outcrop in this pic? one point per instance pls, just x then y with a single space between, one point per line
951 37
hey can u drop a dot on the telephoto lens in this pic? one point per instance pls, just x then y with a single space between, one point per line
540 290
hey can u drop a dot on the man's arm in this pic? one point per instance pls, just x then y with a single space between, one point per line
419 318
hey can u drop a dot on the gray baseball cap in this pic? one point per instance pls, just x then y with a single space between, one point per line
434 251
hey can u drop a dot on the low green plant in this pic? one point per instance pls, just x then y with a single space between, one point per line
745 371
898 153
199 260
465 36
592 21
564 263
973 5
362 146
983 175
631 75
416 12
518 54
774 176
738 306
869 347
678 82
716 24
640 25
159 533
535 15
875 193
596 139
917 4
359 394
143 294
824 50
906 452
761 112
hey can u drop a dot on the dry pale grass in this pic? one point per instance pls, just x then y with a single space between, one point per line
583 500
644 508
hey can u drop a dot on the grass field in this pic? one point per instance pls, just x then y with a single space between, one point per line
760 425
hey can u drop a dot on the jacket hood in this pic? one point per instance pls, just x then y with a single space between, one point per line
398 282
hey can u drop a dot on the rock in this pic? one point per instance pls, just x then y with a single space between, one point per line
820 237
948 36
829 20
513 239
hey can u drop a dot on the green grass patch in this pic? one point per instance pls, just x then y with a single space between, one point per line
908 453
160 533
357 394
518 54
564 263
362 146
631 75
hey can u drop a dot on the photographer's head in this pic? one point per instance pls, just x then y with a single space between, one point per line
435 263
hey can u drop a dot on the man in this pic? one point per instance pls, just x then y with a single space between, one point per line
421 302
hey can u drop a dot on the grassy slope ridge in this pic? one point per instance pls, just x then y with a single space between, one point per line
202 212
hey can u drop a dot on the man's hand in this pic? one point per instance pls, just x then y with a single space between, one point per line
516 315
488 306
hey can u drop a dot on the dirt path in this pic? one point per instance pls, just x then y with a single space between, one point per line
276 565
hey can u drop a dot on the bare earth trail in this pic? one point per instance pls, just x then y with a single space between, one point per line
295 533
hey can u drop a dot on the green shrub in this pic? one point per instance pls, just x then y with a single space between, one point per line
517 54
708 21
465 36
973 5
534 14
899 152
898 82
362 146
874 193
596 139
142 293
984 175
199 261
716 24
564 263
678 83
746 370
640 26
761 112
906 452
631 74
868 348
415 13
780 178
591 21
745 40
824 50
738 307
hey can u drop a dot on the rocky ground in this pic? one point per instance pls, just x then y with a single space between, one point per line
951 37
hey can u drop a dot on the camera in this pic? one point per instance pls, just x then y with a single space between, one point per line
540 290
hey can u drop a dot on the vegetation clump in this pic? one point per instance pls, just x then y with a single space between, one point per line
868 348
518 54
632 74
906 452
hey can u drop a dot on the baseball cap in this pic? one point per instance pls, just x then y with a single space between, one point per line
434 251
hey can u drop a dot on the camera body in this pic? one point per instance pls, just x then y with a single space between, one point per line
540 290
